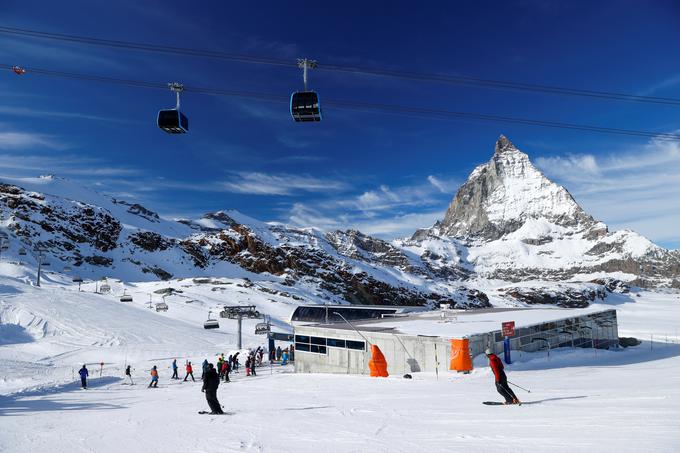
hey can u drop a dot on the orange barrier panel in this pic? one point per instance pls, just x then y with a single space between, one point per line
377 365
460 355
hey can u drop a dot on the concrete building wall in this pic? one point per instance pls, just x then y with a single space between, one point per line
412 354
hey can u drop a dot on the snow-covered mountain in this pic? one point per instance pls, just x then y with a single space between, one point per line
90 235
507 223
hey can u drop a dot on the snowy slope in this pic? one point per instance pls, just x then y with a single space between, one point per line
581 400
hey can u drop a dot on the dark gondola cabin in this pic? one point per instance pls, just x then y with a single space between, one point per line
305 107
173 121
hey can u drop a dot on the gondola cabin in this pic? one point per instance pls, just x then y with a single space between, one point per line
173 121
305 107
211 324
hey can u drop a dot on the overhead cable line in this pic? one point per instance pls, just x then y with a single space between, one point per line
354 105
407 75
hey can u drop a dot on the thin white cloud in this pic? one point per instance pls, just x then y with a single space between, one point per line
11 140
29 112
387 226
444 186
637 188
258 183
383 198
669 82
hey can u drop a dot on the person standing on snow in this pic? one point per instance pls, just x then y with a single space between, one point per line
252 365
278 353
501 379
204 368
190 372
210 383
225 371
154 378
128 373
174 369
83 376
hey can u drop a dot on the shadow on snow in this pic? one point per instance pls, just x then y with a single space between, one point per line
21 403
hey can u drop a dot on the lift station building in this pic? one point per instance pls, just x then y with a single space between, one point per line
423 341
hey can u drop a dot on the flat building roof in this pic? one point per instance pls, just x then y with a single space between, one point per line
462 323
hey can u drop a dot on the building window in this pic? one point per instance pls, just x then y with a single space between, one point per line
319 345
319 341
302 347
358 345
301 339
335 343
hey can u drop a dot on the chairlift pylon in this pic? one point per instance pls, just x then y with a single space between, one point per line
304 105
173 121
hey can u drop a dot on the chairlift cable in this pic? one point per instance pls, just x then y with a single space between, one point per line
407 75
402 110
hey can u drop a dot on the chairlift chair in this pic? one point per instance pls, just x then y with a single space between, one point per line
211 323
304 105
173 121
77 279
67 269
22 251
105 288
162 306
125 297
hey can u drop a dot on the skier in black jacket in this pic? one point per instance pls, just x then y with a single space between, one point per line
211 381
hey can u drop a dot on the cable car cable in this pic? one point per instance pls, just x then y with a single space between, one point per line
354 105
415 76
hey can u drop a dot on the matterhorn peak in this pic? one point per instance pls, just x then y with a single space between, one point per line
501 195
503 144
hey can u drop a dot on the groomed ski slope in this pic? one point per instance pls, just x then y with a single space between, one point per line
581 400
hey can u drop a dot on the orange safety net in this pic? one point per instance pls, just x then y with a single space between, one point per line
377 365
460 355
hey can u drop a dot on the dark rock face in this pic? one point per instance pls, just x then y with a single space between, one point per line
562 296
77 223
354 244
612 285
141 211
150 241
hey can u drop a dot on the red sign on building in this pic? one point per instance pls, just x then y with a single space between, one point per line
508 328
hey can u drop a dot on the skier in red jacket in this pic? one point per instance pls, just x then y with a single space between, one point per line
501 379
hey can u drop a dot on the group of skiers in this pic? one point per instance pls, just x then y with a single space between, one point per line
282 355
211 376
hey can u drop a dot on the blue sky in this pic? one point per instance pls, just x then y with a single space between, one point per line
385 174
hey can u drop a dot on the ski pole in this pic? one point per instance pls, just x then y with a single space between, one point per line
520 387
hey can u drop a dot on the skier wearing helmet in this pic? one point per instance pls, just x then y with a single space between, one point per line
501 379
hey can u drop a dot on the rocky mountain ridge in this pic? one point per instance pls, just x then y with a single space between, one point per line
507 223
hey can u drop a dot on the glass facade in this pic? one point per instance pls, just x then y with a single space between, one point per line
320 345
